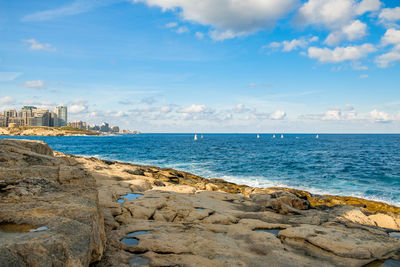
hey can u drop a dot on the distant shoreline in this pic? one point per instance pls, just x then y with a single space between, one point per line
45 131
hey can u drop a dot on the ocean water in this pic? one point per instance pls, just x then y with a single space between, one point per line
366 166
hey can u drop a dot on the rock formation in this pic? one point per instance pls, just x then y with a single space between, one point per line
62 210
44 131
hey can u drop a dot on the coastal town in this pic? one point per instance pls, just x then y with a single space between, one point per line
30 116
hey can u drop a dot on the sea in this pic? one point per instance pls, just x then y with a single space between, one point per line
360 165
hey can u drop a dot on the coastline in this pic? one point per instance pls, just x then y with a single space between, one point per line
45 131
188 219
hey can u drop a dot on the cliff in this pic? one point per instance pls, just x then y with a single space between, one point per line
44 131
62 210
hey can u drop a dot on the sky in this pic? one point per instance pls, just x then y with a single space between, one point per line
224 66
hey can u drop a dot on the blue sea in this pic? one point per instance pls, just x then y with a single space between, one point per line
361 165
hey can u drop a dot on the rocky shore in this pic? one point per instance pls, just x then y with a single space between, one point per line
62 210
44 131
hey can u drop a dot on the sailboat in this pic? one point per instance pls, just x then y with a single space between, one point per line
201 136
258 136
274 136
317 136
195 137
281 136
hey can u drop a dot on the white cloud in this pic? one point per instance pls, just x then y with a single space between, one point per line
182 29
9 76
35 45
334 14
392 36
199 35
78 106
364 76
368 6
171 25
384 61
240 108
333 114
338 16
340 54
294 44
252 85
166 109
195 109
34 84
355 30
380 116
7 100
229 18
278 115
390 14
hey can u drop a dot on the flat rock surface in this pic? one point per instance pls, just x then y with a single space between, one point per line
107 213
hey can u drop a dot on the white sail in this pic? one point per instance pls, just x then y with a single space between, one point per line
273 136
258 136
195 137
282 136
317 136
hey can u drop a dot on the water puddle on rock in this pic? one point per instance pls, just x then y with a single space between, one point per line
138 261
200 208
129 196
138 233
395 234
384 263
130 241
271 231
15 228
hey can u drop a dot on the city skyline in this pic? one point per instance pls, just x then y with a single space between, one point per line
31 116
169 66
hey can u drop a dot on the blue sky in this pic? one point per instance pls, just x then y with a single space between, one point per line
206 65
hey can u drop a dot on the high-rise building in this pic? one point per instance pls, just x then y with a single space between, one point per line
61 112
26 112
53 119
41 118
104 127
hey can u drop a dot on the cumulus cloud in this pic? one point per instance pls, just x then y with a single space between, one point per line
355 30
294 44
334 13
390 15
165 109
391 37
228 18
332 114
241 108
35 45
195 109
335 114
34 84
339 16
78 106
7 100
380 116
340 54
278 115
385 60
